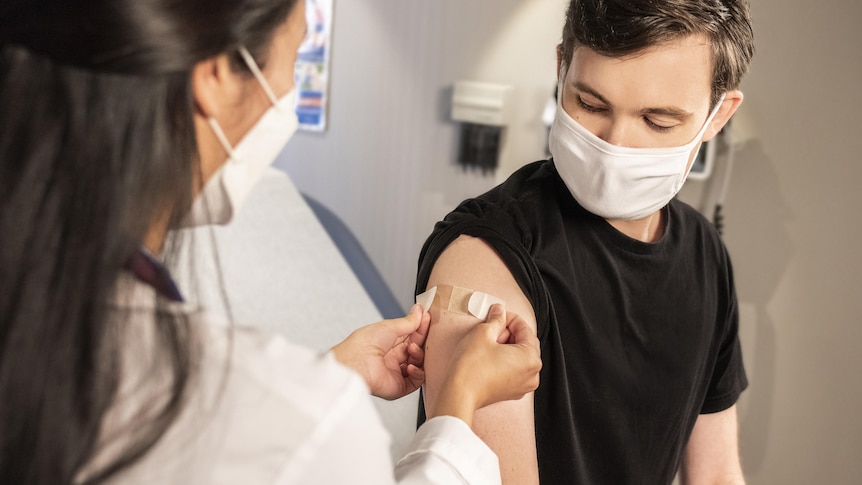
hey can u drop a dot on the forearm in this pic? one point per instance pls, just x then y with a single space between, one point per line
731 479
452 400
509 429
712 454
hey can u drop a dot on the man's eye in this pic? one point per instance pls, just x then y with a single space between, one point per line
657 127
588 107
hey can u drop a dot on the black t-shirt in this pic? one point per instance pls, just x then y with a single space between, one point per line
637 339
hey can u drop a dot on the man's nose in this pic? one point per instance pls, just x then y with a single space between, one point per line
616 132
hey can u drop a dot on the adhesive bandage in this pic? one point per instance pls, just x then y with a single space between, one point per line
458 300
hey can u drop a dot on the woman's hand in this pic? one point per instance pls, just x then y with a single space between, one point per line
497 361
389 354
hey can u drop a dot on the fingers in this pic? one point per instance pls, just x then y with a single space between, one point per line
497 315
515 330
407 325
416 342
421 333
416 375
504 337
521 331
524 344
415 354
498 360
496 323
416 315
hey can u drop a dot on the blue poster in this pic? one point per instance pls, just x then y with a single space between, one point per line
312 66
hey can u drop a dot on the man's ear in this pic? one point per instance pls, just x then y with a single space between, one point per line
214 85
728 107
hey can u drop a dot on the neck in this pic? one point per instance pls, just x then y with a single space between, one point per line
649 229
154 239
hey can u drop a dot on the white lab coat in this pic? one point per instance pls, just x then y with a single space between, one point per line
278 269
265 411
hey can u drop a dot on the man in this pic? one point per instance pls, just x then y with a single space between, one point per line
630 291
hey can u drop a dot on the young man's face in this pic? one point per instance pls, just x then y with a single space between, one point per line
659 97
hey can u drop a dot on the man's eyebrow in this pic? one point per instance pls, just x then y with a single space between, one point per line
670 111
592 92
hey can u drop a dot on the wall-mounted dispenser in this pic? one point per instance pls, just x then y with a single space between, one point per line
484 111
704 161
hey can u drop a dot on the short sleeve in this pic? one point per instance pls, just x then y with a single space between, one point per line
500 228
728 378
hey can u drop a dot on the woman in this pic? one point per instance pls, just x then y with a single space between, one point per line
116 116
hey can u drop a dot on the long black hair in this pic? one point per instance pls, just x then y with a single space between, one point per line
97 143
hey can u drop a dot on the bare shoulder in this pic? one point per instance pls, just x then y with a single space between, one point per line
472 263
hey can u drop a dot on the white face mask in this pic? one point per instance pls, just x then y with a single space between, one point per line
617 182
224 193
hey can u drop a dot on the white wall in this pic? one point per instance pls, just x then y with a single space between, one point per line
792 226
387 163
794 230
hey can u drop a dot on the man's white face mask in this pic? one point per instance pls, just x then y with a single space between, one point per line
617 182
227 189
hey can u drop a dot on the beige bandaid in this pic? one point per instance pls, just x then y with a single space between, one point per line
458 300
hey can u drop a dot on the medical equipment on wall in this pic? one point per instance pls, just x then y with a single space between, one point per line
701 168
484 111
718 215
549 112
718 152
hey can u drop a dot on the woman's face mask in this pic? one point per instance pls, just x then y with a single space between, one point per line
226 190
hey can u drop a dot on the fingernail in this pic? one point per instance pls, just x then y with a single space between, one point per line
496 309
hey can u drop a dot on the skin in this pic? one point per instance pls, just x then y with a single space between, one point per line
508 426
658 97
389 354
655 98
712 453
496 360
236 101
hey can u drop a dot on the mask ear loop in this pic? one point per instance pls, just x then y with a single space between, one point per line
221 137
255 70
700 135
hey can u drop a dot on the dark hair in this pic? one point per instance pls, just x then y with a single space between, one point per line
97 143
617 28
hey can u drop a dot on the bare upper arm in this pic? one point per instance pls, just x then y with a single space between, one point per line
507 427
712 453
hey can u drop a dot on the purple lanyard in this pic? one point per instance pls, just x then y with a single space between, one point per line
148 270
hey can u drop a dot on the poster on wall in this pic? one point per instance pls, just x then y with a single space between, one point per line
312 66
